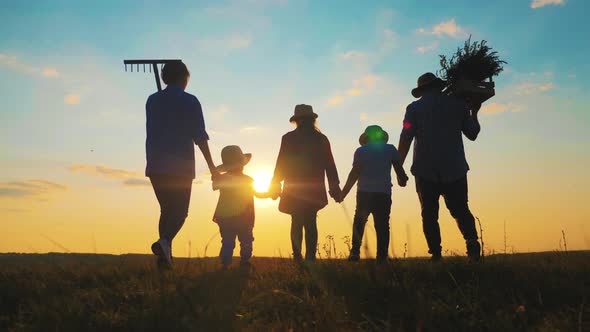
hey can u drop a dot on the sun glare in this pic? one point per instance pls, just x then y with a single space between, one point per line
262 180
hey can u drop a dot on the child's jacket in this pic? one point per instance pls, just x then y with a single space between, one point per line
236 198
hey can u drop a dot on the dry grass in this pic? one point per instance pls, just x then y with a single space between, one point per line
73 292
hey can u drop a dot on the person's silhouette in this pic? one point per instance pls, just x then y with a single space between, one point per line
174 124
305 159
437 121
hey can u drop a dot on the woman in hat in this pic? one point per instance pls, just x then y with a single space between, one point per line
305 158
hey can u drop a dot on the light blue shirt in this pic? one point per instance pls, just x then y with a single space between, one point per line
375 161
174 124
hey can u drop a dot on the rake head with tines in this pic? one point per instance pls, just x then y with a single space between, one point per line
152 65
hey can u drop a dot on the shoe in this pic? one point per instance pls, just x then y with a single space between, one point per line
436 257
354 258
161 248
473 250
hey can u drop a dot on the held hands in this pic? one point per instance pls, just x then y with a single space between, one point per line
402 180
336 194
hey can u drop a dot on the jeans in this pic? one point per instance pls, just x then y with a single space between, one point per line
173 194
378 204
229 229
299 221
455 195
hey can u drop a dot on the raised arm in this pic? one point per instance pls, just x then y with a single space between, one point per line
471 126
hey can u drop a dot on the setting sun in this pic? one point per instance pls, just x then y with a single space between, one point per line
262 178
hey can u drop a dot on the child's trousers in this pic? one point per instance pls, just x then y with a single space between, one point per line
231 228
378 204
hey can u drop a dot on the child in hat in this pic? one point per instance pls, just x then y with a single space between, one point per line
372 169
235 209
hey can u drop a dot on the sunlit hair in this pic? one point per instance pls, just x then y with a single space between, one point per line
174 72
307 124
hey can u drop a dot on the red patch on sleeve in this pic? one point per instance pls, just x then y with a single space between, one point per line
407 125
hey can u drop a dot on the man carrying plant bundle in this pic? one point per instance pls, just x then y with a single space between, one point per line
437 121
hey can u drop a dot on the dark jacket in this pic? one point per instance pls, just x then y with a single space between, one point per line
304 158
437 122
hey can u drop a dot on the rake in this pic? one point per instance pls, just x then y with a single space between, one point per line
152 65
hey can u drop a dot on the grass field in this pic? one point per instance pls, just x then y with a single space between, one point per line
78 292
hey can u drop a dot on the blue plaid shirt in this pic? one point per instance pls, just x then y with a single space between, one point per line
174 124
438 122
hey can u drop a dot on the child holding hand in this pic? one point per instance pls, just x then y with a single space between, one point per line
372 169
235 208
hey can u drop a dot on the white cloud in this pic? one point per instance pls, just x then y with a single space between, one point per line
359 86
103 171
126 178
529 88
137 182
29 188
249 129
49 72
353 55
389 39
422 49
225 44
449 28
14 63
335 100
72 99
542 3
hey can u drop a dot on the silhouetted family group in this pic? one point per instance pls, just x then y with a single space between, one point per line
435 122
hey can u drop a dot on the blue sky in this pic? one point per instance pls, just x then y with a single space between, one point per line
70 115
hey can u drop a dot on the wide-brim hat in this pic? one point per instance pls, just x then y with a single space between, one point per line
232 157
373 134
426 81
303 111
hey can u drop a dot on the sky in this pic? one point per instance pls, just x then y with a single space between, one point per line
72 121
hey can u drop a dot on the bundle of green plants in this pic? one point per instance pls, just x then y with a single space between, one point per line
474 61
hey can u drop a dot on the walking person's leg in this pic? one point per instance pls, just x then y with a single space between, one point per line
297 234
429 194
173 194
361 214
381 213
227 229
180 196
246 238
456 198
311 235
